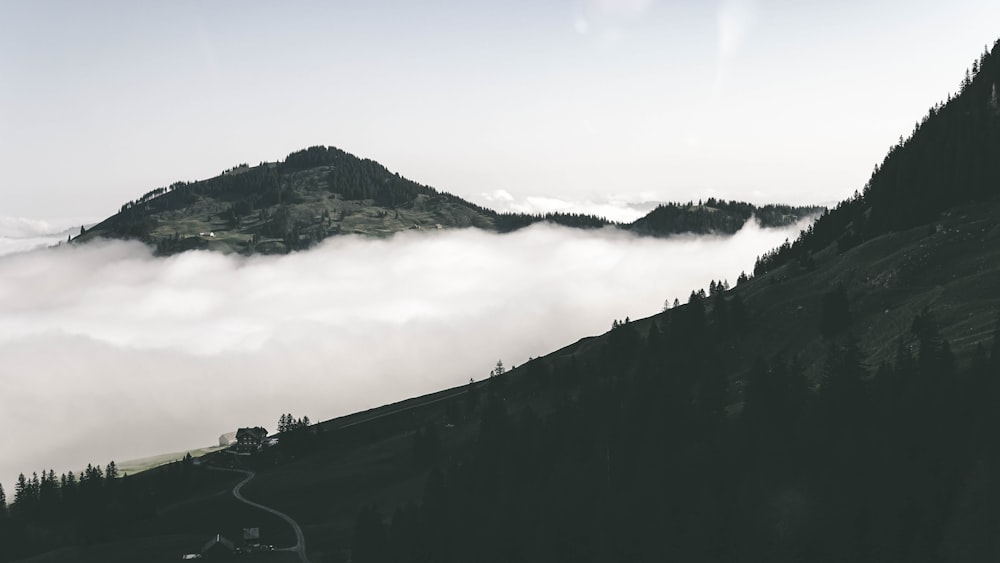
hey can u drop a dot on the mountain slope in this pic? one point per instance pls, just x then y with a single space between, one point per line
323 191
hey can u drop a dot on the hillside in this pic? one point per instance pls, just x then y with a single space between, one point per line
319 192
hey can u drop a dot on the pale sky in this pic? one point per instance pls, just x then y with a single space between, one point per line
600 100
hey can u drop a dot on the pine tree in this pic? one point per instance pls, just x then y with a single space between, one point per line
21 492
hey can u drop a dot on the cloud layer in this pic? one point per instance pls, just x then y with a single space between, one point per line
107 352
621 209
18 234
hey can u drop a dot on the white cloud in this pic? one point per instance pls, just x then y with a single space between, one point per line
19 234
501 196
608 19
621 209
734 21
107 352
620 7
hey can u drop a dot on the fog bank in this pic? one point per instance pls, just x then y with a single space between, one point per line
19 234
107 352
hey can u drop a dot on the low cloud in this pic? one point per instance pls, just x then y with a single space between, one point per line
19 234
107 352
621 210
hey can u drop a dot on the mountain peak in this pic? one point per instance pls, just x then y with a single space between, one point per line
318 192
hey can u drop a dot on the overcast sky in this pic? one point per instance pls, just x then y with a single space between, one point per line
599 100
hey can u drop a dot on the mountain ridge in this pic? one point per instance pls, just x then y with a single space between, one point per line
319 192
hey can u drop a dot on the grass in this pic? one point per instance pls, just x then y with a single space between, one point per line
134 466
954 273
222 514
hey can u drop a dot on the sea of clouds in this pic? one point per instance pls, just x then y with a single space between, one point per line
19 234
109 353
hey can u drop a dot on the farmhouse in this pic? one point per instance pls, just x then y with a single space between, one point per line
249 439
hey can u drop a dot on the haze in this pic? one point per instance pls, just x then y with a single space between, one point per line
107 352
628 100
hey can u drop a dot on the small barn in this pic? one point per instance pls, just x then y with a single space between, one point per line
248 440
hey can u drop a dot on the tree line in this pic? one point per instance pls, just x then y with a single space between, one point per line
716 216
93 506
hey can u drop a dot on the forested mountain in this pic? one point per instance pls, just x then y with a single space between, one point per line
323 191
715 216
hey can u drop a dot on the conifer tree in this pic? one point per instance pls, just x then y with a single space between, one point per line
21 493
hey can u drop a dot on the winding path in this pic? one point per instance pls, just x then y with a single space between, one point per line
300 538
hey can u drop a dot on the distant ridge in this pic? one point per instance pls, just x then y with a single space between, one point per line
318 192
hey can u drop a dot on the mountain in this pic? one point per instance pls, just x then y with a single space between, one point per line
839 405
323 191
715 216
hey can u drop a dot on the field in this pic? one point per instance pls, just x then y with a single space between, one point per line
131 467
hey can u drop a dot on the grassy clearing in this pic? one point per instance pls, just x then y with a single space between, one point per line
145 464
